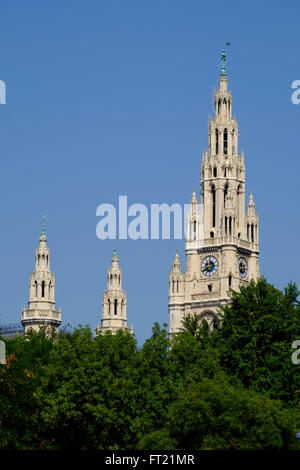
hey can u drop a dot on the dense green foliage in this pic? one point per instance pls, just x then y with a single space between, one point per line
233 388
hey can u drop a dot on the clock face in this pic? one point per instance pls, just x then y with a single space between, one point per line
209 266
243 267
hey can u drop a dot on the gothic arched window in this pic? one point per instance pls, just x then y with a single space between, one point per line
213 193
225 192
215 172
43 288
115 307
225 142
217 142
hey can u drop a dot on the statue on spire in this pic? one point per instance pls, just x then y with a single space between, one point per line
223 72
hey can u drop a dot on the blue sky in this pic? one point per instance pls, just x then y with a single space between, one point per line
111 97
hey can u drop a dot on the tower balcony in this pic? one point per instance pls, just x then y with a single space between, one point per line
41 316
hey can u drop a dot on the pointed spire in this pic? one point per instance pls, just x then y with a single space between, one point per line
176 264
115 259
43 237
251 205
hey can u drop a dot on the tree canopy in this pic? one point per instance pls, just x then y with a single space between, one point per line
232 388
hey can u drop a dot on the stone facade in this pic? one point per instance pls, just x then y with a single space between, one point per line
41 306
221 239
114 303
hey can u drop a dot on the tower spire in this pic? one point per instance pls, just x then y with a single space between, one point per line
114 303
41 305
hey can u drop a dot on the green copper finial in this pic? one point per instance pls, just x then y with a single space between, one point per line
44 217
115 254
223 71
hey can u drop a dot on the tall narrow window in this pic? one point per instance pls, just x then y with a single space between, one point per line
252 233
115 307
225 192
43 288
173 286
225 142
215 172
248 235
213 192
226 226
229 281
49 291
177 287
36 288
219 106
229 225
194 231
217 142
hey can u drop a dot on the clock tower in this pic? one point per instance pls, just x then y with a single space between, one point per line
221 238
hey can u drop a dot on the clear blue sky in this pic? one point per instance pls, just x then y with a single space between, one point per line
110 97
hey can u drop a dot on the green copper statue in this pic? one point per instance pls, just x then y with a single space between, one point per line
223 72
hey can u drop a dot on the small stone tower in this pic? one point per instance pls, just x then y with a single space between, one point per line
114 303
41 306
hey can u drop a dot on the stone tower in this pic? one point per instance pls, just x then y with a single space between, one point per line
114 303
41 305
221 239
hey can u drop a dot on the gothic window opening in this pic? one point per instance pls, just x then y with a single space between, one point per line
173 286
217 142
225 142
229 281
212 234
36 288
43 288
115 307
225 192
219 106
177 287
252 233
213 192
230 224
47 259
248 232
226 226
209 287
194 231
215 172
49 291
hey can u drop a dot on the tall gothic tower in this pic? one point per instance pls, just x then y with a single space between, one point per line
221 239
41 306
114 303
